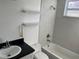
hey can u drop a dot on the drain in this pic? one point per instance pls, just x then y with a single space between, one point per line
9 55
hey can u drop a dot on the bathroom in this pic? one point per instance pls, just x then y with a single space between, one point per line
43 25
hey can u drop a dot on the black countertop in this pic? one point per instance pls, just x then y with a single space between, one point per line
26 49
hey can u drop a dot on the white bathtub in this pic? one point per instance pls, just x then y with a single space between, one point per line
55 51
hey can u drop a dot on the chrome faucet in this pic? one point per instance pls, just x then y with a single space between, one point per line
48 40
6 44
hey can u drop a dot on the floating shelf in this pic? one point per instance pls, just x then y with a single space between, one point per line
30 23
30 11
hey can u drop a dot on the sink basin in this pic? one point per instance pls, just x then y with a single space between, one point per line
10 52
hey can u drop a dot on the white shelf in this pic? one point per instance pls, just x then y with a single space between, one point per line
30 23
30 11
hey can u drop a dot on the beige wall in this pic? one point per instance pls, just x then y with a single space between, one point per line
66 32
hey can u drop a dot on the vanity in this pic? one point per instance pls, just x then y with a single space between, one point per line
18 49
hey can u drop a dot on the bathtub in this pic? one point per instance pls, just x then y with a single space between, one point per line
55 51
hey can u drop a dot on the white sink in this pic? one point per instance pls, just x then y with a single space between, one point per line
10 52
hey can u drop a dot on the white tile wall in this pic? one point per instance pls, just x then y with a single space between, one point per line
47 20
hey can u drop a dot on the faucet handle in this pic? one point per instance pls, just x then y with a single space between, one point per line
48 36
